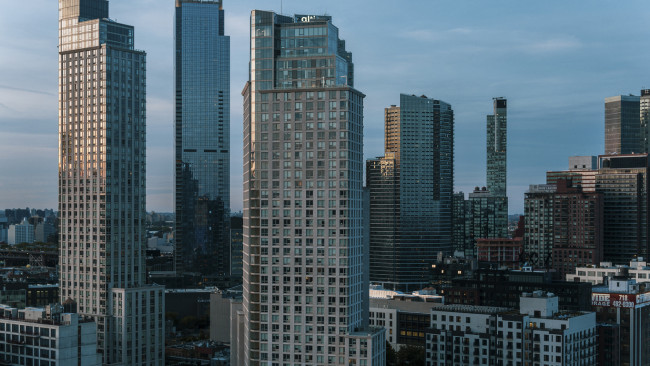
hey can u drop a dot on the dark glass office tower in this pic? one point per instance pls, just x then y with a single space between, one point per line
202 143
645 120
305 291
102 160
497 143
623 180
622 125
411 193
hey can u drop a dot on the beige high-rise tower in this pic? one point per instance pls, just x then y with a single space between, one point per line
102 184
305 294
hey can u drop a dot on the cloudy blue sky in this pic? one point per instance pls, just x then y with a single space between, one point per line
554 60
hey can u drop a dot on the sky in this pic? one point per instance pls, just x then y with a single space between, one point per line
555 61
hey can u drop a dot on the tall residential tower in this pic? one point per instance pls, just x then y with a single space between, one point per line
102 184
497 143
411 193
305 297
202 143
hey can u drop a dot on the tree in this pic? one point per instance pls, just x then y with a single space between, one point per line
411 355
391 356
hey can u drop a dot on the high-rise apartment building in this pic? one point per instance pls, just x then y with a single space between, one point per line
484 215
538 215
644 104
304 300
622 125
411 193
623 181
102 184
202 138
497 143
487 217
460 211
577 228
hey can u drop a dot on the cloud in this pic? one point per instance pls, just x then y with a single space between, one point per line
553 45
7 87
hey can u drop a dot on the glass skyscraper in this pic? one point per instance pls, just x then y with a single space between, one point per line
102 184
644 103
497 144
411 193
202 138
623 125
305 297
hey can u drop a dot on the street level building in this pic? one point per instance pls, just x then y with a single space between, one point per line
102 143
202 138
303 251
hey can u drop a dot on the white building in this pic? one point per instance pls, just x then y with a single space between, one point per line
638 269
404 316
35 336
536 334
20 233
102 183
305 297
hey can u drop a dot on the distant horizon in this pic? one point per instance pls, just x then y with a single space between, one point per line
555 68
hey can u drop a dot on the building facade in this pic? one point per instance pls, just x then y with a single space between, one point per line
623 182
405 319
622 125
202 138
538 214
502 288
102 183
625 303
47 336
411 192
601 274
20 233
577 228
582 173
535 332
487 216
303 250
497 152
502 252
644 104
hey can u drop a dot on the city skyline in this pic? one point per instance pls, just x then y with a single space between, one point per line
560 73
